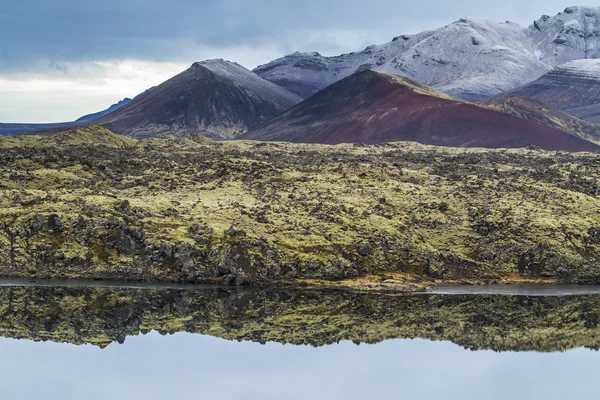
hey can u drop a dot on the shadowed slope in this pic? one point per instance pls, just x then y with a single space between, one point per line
371 107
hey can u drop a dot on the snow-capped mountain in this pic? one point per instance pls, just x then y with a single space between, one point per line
573 87
472 58
571 35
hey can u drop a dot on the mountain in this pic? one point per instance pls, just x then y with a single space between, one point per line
216 98
116 106
533 110
573 87
372 107
571 35
472 58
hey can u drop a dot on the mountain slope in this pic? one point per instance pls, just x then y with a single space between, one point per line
571 35
532 110
216 98
371 107
573 87
471 58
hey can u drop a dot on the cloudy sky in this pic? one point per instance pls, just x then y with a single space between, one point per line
60 59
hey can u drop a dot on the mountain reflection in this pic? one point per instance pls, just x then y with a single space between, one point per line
103 315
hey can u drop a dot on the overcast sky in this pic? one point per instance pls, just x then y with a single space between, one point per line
60 59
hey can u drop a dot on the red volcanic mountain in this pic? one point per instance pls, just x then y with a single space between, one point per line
371 107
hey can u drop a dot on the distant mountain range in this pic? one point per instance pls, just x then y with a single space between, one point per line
472 58
14 129
373 107
18 128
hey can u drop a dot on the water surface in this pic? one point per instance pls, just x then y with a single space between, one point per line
518 289
106 341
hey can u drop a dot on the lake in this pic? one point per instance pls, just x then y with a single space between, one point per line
109 341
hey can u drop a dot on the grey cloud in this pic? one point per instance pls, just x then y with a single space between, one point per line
59 31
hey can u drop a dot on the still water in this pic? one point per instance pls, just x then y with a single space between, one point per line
111 342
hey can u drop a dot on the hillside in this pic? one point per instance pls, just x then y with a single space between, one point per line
371 107
394 216
96 115
532 110
18 128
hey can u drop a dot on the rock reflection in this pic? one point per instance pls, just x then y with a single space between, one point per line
101 316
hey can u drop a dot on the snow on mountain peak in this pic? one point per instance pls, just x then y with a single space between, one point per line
470 58
570 35
456 58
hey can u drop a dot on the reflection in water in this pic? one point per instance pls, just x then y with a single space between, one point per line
102 315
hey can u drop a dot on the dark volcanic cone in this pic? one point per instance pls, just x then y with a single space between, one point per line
216 98
371 107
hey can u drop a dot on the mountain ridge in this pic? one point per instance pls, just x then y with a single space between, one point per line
471 58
